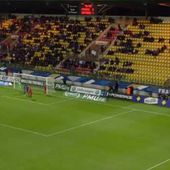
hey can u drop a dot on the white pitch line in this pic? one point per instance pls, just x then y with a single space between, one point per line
23 100
106 118
87 124
23 130
62 131
76 127
152 112
159 164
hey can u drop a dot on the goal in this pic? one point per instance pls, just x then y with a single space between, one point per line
36 82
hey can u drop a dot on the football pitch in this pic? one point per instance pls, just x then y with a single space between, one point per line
63 133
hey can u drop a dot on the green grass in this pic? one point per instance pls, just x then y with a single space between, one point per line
59 133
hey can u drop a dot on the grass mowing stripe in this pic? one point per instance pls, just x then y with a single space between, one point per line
23 130
61 101
159 164
88 123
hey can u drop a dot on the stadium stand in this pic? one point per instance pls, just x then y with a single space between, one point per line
136 51
140 53
46 41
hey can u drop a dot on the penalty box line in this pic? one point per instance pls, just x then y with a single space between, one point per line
65 130
75 127
151 112
88 123
106 118
34 102
159 164
22 130
24 100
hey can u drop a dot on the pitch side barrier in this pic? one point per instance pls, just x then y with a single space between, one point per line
6 80
89 93
92 91
80 89
102 95
81 92
164 102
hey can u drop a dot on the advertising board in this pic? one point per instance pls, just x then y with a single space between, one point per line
6 78
151 100
121 96
32 82
85 90
63 87
85 96
163 91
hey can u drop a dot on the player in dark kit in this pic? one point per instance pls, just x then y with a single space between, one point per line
25 89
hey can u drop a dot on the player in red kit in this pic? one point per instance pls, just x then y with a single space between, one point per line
30 91
45 89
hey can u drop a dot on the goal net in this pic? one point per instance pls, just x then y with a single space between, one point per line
39 84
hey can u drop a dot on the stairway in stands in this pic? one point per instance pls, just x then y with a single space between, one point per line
145 45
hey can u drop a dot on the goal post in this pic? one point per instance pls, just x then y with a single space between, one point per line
37 82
